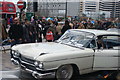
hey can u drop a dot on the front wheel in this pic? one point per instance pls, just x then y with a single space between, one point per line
64 72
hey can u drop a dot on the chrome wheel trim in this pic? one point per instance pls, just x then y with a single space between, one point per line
64 72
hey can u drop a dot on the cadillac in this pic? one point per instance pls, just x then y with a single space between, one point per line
78 51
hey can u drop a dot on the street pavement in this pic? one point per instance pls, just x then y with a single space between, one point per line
10 71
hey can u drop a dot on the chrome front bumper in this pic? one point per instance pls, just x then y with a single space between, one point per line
46 75
38 75
35 74
16 62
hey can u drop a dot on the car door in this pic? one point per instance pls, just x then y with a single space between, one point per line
108 58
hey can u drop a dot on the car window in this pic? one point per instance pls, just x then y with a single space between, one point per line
77 38
90 44
111 42
10 5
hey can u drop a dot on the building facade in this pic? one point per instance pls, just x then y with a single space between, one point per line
55 8
97 8
90 8
51 9
112 6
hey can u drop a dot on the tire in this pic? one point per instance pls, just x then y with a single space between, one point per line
64 72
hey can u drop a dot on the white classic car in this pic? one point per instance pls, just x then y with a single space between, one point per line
78 51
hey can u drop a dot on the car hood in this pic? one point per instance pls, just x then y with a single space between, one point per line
34 50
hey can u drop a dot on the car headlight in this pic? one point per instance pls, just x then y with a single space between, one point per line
39 64
15 53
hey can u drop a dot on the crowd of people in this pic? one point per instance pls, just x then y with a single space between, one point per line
51 30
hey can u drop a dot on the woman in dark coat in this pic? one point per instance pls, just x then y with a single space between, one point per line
66 27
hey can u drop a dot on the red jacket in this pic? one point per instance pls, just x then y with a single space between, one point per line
49 35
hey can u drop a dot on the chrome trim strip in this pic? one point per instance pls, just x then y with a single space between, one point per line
107 56
15 56
26 63
46 69
86 68
70 58
26 69
39 69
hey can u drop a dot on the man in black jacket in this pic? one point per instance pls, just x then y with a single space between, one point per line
16 32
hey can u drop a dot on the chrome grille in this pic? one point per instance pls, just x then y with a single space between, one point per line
28 66
31 68
27 60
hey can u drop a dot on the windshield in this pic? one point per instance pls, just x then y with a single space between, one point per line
76 38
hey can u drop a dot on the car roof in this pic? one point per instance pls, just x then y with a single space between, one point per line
97 32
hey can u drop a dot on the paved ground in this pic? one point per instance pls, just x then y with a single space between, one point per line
9 70
6 62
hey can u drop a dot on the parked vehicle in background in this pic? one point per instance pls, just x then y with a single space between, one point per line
78 51
7 9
